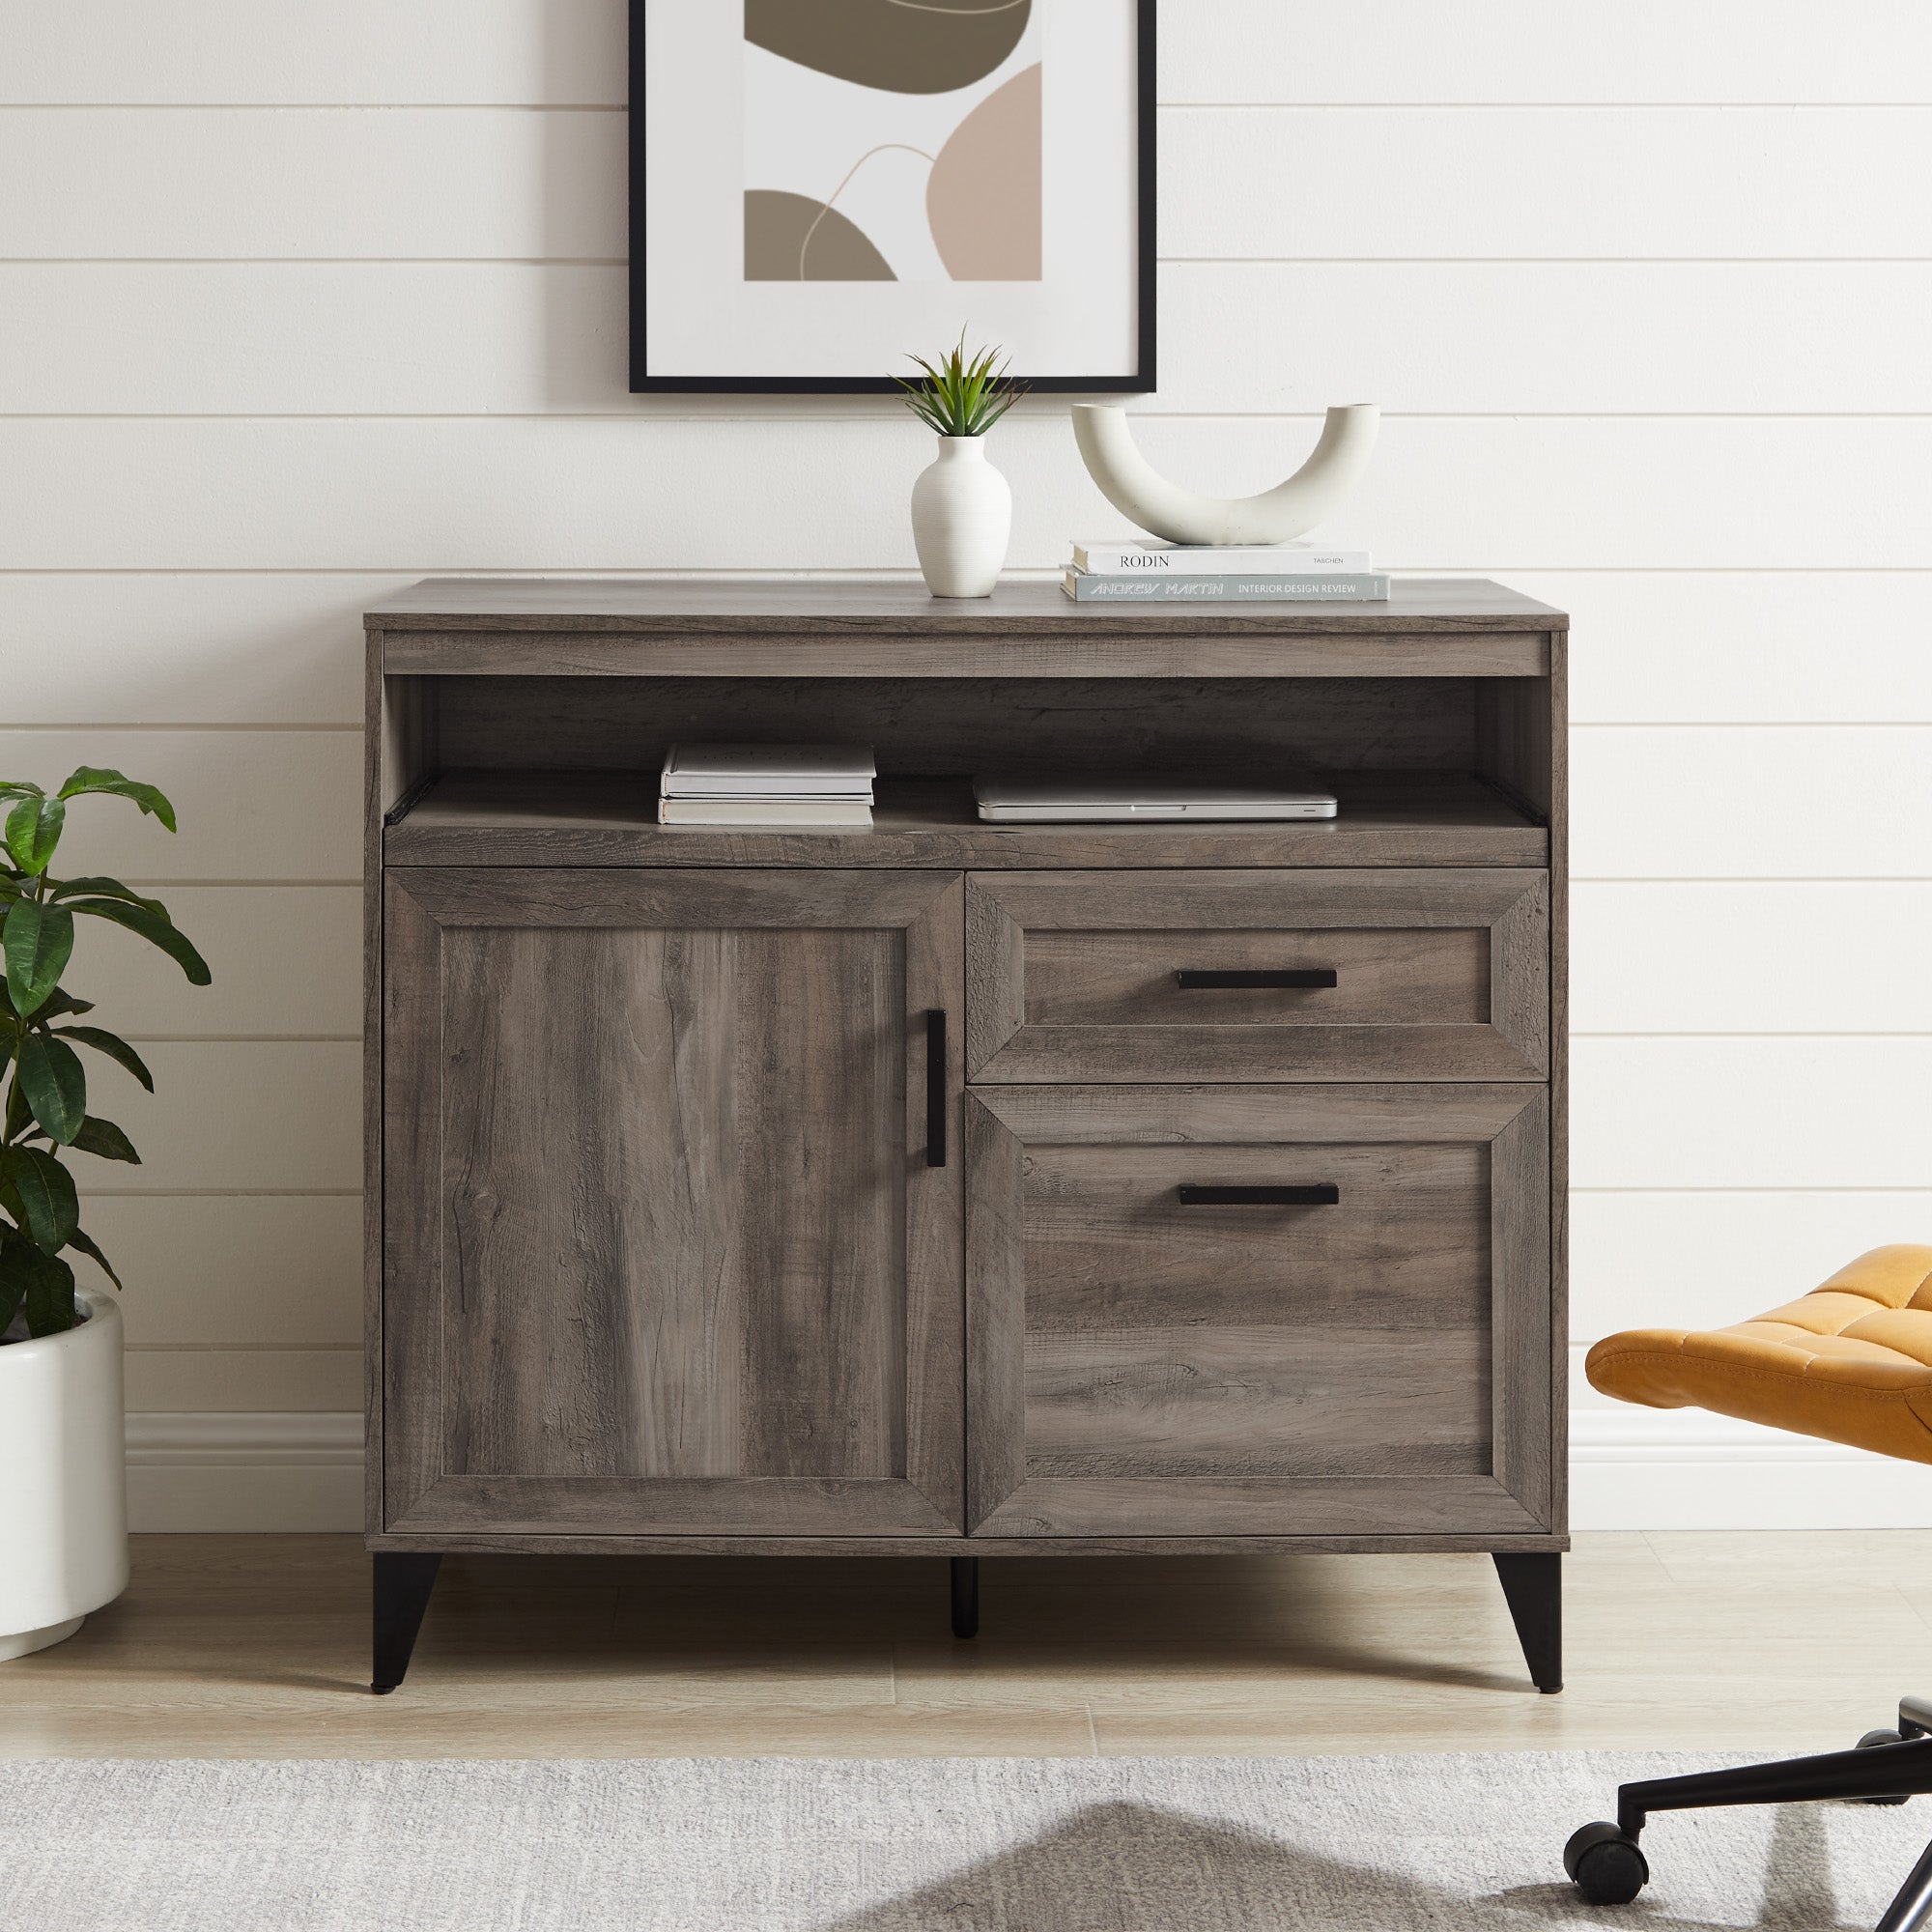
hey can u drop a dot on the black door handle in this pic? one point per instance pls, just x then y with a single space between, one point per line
1194 980
935 1087
1318 1194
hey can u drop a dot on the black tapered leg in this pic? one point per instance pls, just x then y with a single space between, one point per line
404 1581
965 1596
1533 1587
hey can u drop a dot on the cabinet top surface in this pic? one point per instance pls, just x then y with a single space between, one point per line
1419 604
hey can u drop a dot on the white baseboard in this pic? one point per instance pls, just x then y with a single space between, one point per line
1681 1468
238 1470
1629 1469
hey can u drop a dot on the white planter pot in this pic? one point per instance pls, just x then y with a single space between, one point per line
962 516
64 1506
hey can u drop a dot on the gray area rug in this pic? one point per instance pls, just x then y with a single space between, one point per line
1362 1844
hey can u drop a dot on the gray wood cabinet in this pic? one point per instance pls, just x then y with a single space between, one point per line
948 1187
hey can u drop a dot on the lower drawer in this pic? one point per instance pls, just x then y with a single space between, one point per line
1259 1310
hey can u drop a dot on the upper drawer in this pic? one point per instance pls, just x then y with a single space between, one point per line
1159 975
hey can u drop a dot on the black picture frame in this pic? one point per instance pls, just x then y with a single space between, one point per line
1139 380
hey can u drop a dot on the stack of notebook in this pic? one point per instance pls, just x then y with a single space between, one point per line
768 784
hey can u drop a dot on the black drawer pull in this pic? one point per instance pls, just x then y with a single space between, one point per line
935 1088
1197 980
1321 1194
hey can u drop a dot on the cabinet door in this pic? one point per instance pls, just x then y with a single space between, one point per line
663 1248
1260 1310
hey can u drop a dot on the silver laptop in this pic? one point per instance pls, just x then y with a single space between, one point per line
1027 801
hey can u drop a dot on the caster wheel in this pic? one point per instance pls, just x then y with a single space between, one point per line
1866 1742
1605 1863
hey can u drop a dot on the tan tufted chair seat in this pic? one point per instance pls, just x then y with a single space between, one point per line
1850 1362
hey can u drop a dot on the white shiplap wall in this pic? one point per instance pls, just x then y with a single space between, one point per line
298 302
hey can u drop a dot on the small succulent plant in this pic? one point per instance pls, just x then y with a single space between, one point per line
961 396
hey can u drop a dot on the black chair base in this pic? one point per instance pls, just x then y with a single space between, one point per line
1887 1768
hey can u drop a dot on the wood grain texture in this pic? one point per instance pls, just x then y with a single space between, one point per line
399 755
1527 1329
825 1044
1175 1403
1027 644
1119 902
713 1506
829 614
1135 1402
1512 745
1440 976
996 1316
375 739
404 1340
1304 1051
475 819
1080 1506
1363 1374
921 723
1231 1115
1357 1541
598 899
933 1313
1557 717
1393 977
589 1106
1108 1243
675 1203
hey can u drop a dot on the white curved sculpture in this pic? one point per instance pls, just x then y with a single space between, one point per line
1138 490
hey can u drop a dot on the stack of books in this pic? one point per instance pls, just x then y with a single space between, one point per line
1148 572
827 785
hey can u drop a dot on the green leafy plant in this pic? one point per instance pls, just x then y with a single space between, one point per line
46 1095
960 397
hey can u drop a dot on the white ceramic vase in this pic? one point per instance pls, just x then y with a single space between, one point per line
64 1508
963 517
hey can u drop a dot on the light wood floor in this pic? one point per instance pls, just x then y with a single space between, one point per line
232 1646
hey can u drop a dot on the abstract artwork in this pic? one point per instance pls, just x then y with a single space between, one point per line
938 107
821 186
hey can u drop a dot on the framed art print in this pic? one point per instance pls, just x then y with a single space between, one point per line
820 187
